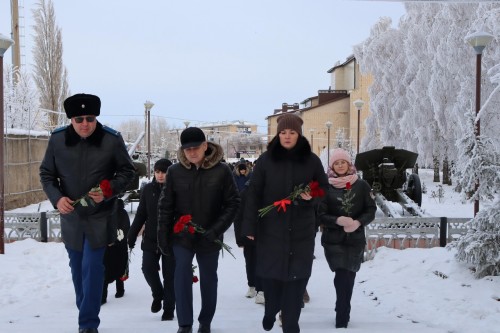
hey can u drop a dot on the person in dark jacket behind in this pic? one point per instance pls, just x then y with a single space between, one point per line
86 165
346 209
284 239
202 186
249 251
147 216
116 255
241 175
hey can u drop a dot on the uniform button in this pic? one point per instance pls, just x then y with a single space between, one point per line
291 253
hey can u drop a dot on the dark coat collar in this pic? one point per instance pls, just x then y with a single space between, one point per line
300 152
72 138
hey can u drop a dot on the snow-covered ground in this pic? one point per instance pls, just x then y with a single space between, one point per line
414 290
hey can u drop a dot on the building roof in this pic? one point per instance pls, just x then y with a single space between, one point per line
348 60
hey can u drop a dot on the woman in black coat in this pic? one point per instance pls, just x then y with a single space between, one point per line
346 209
284 239
146 216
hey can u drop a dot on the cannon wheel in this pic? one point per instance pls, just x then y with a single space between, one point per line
414 189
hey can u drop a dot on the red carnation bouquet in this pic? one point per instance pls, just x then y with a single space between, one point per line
185 224
312 188
103 187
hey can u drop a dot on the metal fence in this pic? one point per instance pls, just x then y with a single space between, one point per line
397 233
413 232
43 227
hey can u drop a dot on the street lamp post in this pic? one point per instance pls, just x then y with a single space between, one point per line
5 43
186 123
478 41
328 125
359 105
148 105
312 138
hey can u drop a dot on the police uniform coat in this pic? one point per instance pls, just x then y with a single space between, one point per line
284 239
72 166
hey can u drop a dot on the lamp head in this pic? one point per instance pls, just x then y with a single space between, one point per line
5 43
479 40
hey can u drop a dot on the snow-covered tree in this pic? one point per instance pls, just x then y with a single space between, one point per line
480 247
21 101
50 74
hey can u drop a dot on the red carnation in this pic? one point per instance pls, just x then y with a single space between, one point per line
195 279
315 190
178 227
347 186
184 219
105 186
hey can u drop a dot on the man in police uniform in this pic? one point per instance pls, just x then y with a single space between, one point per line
82 156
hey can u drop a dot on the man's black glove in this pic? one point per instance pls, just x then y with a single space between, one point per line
210 235
131 243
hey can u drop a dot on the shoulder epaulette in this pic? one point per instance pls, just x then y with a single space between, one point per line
110 130
60 129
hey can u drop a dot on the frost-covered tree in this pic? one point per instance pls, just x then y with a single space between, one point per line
50 74
423 75
21 101
480 247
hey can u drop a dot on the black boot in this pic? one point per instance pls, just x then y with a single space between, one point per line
120 288
185 329
156 305
268 323
167 315
204 328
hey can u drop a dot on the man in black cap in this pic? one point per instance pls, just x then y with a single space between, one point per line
86 165
147 217
202 186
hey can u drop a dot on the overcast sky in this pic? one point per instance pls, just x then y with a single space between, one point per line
203 60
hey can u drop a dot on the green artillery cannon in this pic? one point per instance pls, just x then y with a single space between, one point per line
385 170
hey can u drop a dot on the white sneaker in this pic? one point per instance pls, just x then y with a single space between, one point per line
259 298
251 292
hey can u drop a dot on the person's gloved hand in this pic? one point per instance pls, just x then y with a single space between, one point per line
344 220
210 235
351 227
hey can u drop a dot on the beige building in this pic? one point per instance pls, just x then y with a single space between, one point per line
238 138
334 106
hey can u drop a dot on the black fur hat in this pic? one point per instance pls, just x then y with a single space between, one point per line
81 105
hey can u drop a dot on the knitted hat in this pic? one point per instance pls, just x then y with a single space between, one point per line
192 137
339 154
81 105
290 121
162 165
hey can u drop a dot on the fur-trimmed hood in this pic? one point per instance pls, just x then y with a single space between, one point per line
213 155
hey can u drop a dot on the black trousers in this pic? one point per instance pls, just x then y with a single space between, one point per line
286 296
151 270
344 284
250 254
